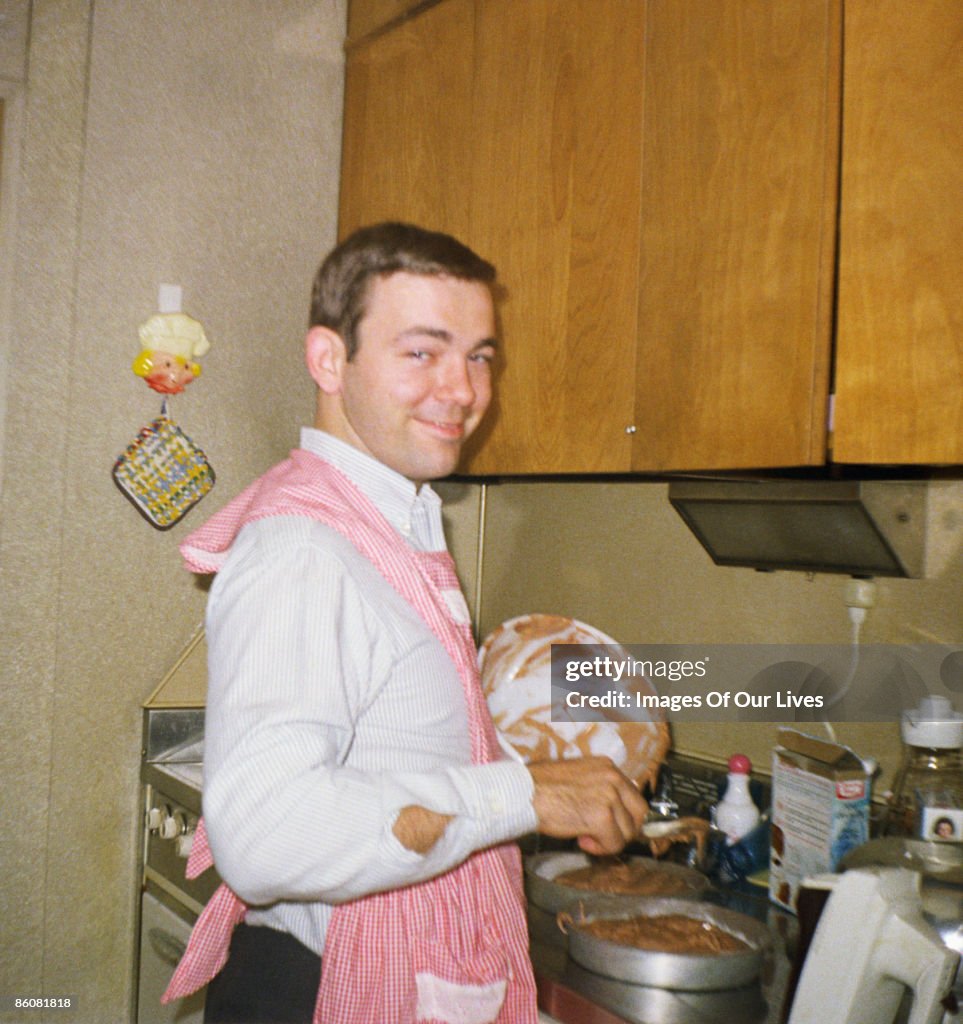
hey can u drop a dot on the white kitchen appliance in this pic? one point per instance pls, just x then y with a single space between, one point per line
871 944
170 902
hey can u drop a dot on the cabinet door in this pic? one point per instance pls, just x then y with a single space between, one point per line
408 126
557 107
738 207
899 371
367 16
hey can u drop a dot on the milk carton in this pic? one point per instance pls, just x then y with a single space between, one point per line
820 810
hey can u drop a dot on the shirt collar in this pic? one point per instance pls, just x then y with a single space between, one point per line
399 500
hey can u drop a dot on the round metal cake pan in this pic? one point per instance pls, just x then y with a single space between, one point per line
694 972
541 870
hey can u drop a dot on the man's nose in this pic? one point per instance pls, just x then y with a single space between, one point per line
456 383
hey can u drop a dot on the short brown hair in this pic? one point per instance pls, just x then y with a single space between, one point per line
341 283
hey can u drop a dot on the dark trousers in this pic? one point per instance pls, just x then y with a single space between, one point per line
269 978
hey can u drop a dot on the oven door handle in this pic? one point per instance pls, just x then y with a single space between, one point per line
167 945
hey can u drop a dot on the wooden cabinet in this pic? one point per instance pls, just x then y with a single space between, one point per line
555 201
367 16
899 338
738 208
505 124
408 135
658 183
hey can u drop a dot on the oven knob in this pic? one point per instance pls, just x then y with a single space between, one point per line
173 825
155 817
183 845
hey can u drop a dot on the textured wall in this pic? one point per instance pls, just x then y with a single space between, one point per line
195 144
14 26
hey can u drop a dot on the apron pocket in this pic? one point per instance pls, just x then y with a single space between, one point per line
459 991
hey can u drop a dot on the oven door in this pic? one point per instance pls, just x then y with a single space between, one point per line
164 930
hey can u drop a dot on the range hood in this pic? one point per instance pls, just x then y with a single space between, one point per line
861 528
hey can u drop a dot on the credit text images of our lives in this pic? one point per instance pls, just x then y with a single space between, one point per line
608 669
679 701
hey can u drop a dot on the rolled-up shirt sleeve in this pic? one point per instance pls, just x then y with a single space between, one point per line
312 749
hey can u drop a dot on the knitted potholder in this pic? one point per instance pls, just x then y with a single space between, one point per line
163 473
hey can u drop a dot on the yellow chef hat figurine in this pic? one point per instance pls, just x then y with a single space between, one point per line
171 342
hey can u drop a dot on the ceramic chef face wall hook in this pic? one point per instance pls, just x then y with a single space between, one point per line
170 345
162 472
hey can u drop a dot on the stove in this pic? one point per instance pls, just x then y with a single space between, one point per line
576 995
171 773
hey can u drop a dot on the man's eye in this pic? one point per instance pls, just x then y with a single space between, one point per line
482 357
419 354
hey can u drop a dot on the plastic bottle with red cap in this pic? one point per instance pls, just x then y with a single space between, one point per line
736 814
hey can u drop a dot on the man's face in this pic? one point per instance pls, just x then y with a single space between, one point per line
420 380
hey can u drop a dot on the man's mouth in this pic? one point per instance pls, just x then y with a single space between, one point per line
449 430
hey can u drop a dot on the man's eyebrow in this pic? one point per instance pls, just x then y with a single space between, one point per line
423 330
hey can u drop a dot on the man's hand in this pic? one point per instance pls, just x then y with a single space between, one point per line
419 829
590 798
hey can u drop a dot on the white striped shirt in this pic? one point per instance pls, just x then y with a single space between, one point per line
331 705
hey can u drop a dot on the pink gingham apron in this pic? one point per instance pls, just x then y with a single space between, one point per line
454 949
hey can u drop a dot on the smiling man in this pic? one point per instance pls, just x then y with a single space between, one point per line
417 380
356 799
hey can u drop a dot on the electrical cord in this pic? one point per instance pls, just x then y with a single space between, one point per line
857 616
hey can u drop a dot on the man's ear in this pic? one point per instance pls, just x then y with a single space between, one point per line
326 356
